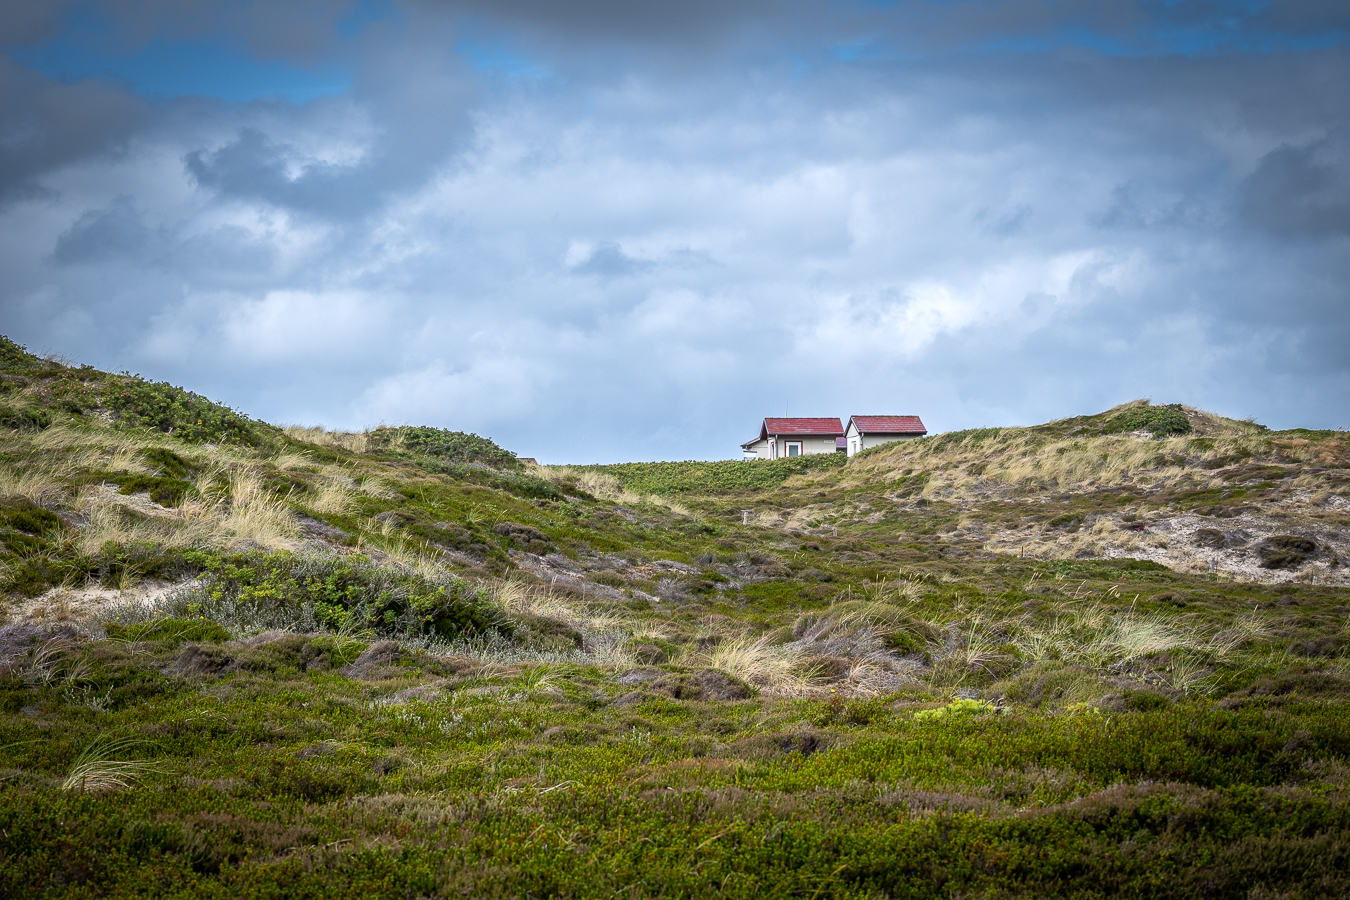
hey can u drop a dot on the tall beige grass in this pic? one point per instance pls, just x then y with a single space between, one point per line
98 768
255 517
519 598
336 495
776 669
354 441
605 487
39 485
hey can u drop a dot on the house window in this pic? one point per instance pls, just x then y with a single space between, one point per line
794 448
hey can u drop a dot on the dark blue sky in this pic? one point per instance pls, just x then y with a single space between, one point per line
609 230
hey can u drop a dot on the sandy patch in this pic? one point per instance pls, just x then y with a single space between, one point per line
77 605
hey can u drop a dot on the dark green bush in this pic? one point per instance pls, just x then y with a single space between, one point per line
164 491
725 476
442 444
256 591
16 358
26 516
169 464
23 419
186 415
1285 551
1157 420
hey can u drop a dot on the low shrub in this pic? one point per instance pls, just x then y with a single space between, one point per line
441 444
24 515
16 358
21 418
254 591
186 415
722 477
1159 421
1285 551
164 491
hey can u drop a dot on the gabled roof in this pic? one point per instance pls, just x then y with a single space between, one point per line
888 424
821 427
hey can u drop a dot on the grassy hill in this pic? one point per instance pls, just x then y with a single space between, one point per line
1105 656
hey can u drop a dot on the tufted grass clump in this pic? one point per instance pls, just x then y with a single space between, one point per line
101 766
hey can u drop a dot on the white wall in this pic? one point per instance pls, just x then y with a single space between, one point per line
859 442
811 446
757 450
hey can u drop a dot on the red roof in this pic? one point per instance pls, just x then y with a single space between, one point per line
822 427
889 425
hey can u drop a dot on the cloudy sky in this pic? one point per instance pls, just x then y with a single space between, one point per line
599 230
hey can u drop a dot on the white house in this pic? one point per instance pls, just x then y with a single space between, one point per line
784 438
873 431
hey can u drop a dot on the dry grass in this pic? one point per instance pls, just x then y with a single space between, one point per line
1133 636
336 495
605 487
292 462
605 634
1020 459
114 518
234 509
979 649
354 441
409 553
39 486
780 669
97 768
254 517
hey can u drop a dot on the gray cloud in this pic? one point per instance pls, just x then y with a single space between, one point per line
45 125
1301 190
115 232
608 259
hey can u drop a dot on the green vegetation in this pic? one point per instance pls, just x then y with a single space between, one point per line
440 444
728 476
1062 661
172 410
1160 421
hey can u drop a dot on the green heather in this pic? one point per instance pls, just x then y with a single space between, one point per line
1102 657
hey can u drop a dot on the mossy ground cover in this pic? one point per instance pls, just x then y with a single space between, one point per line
404 666
276 778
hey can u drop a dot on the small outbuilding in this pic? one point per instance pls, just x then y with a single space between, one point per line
787 438
864 432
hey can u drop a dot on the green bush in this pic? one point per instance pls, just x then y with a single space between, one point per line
721 477
312 592
26 516
16 358
1159 421
441 444
24 419
169 464
164 491
186 415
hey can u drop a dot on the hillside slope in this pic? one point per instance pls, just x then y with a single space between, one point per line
1228 497
246 660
